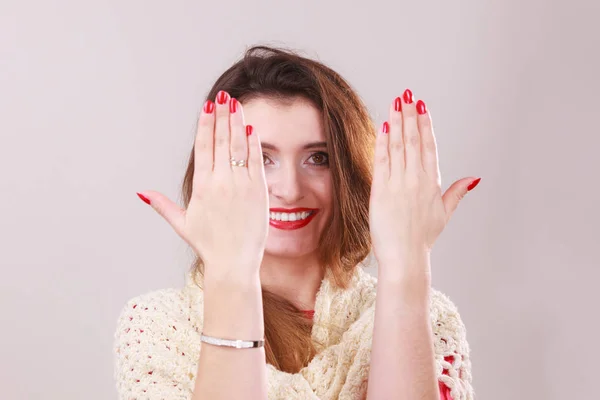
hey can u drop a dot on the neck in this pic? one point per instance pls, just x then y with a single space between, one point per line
295 279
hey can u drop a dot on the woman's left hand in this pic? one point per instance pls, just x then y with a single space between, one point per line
407 209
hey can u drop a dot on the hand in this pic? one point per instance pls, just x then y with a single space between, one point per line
407 209
227 217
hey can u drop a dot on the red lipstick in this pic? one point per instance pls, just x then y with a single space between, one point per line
291 225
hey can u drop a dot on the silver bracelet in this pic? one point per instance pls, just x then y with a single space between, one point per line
238 344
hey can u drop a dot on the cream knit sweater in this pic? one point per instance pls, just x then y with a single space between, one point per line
157 345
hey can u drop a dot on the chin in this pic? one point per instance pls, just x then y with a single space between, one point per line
292 248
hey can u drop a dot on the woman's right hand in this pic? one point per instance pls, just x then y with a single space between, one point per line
227 219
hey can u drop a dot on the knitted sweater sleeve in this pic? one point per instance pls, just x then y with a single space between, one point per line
154 348
157 348
452 350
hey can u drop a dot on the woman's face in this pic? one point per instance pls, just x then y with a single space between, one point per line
296 166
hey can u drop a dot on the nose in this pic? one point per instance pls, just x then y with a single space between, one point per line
285 184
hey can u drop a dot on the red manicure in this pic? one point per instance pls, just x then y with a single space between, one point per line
144 198
421 108
386 127
222 97
398 104
473 184
209 107
233 106
248 130
408 96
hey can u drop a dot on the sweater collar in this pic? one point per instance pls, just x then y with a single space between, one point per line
335 308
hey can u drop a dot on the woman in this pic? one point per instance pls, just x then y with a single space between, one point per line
283 204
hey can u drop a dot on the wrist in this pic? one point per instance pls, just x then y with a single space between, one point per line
234 276
407 280
233 307
416 266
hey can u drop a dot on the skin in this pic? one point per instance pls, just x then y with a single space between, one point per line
226 223
407 214
296 177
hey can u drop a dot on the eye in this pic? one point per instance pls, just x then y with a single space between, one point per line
319 158
265 159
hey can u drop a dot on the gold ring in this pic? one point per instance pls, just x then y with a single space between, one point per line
236 163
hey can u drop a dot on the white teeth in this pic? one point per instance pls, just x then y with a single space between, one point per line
278 216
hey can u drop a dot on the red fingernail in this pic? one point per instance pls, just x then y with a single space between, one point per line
398 104
473 184
386 127
408 96
421 108
222 97
209 107
144 198
233 106
248 130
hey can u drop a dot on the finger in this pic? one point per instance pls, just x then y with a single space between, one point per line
396 140
222 134
170 211
239 142
429 151
456 192
203 144
256 167
412 140
381 164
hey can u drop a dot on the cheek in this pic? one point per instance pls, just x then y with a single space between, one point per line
323 189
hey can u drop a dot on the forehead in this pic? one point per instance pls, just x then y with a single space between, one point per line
287 124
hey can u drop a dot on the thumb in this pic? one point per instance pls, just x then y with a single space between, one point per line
455 193
170 211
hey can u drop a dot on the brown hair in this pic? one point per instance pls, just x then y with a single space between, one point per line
280 74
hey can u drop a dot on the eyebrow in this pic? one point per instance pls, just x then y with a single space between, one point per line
311 145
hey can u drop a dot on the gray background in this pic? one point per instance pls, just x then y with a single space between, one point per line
98 100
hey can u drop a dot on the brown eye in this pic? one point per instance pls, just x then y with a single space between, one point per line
320 158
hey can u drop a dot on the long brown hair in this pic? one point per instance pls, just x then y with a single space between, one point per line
282 74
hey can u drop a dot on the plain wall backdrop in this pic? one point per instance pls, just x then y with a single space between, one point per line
98 100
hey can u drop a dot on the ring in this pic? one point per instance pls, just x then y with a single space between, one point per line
236 163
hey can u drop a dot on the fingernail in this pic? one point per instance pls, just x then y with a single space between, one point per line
408 96
386 127
473 184
144 198
421 108
398 104
222 97
209 107
232 106
248 130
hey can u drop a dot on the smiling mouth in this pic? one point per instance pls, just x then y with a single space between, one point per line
291 220
290 217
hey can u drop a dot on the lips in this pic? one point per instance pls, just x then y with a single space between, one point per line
291 225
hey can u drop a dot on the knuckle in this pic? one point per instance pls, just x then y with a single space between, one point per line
222 188
411 182
397 146
223 118
220 141
381 159
396 119
206 120
413 139
202 145
429 146
237 147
